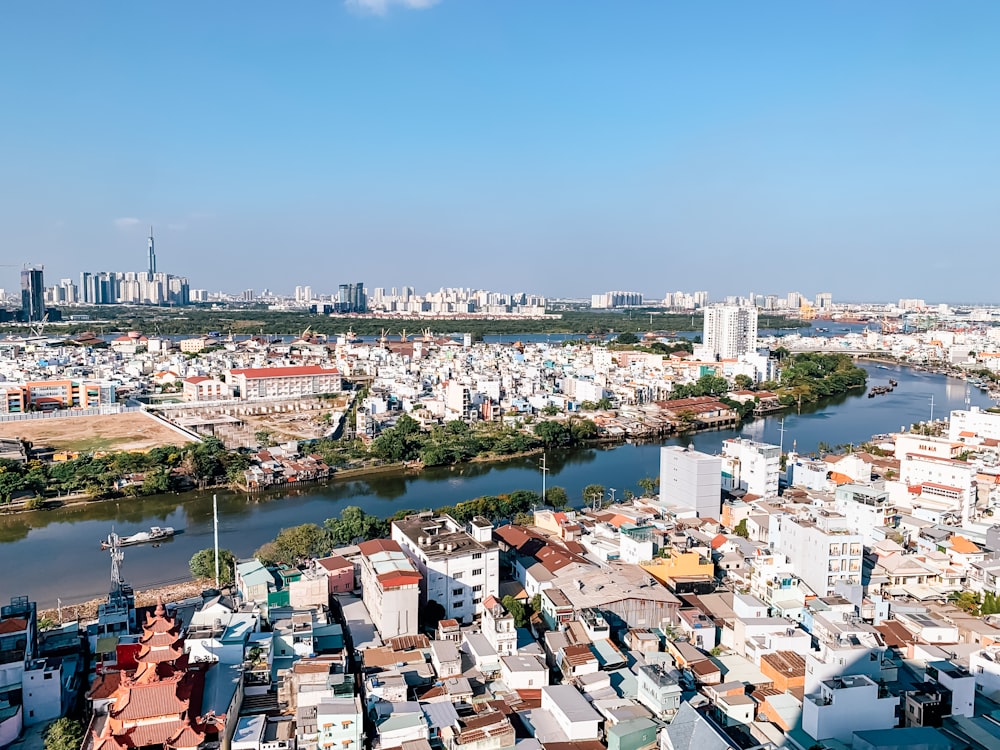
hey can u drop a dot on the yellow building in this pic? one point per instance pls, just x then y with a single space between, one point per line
678 564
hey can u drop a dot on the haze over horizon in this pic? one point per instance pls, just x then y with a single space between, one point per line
562 148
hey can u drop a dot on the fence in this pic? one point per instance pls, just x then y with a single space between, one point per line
94 411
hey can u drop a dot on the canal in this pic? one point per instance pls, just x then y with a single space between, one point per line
56 554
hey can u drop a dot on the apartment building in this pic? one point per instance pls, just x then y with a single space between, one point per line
460 564
750 466
691 481
391 587
822 549
47 395
303 380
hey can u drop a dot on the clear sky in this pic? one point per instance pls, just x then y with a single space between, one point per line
564 147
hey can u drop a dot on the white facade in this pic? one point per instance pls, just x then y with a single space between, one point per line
691 480
523 672
751 466
574 715
846 705
498 627
865 508
460 568
983 424
41 692
821 550
730 330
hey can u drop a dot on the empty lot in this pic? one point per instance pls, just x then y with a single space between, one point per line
131 431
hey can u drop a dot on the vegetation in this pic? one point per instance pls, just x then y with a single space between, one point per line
132 474
808 377
202 565
63 734
258 320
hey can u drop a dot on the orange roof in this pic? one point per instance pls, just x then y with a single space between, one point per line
962 545
13 625
840 478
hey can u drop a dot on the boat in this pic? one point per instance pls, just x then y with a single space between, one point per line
155 534
882 367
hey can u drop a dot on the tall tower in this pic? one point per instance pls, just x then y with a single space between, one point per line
32 294
152 254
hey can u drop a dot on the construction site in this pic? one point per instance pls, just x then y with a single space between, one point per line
245 425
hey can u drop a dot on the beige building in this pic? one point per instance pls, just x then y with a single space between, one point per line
303 380
391 588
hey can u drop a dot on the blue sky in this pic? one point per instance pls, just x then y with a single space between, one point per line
561 147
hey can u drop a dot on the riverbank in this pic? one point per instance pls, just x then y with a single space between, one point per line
87 610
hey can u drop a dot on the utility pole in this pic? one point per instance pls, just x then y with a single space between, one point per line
781 434
545 470
932 407
612 491
215 517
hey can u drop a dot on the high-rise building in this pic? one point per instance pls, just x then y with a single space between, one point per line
152 254
32 294
691 481
730 330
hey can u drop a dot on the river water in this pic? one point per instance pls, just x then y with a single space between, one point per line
56 554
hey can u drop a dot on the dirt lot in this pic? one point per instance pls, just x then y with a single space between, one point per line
132 431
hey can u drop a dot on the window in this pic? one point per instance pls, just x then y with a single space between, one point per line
458 605
457 576
477 555
477 572
477 600
456 592
474 588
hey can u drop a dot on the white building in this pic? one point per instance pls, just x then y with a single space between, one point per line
523 672
845 705
498 627
751 466
691 481
866 508
967 424
460 567
574 715
822 549
730 330
391 587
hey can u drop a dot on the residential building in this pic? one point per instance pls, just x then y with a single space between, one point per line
498 627
730 330
750 466
865 509
845 705
391 586
659 690
574 715
821 549
691 481
200 388
460 565
302 380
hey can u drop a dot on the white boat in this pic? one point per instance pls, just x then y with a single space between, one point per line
155 534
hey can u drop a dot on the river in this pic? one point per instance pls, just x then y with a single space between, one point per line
56 554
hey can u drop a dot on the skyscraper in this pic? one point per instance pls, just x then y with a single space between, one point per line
32 294
730 330
152 254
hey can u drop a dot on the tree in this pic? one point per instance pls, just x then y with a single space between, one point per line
648 485
157 482
354 524
556 497
553 433
743 382
297 542
627 338
63 734
741 529
550 410
202 565
593 493
517 610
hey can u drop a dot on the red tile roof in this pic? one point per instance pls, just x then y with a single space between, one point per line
256 373
378 545
13 625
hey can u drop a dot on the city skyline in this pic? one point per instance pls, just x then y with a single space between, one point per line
483 145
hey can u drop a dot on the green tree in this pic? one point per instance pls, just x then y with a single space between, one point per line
536 603
553 433
353 525
741 529
648 485
556 497
627 338
202 565
743 382
604 403
550 410
63 734
298 542
517 610
157 482
592 493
